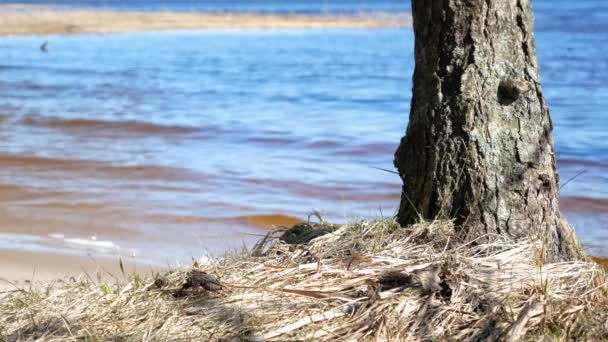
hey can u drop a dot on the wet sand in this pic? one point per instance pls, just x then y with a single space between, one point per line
18 269
34 20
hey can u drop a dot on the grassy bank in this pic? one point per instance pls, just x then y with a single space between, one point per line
363 281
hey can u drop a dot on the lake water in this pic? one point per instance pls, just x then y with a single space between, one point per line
174 144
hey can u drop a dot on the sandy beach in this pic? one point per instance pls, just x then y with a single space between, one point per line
34 20
19 269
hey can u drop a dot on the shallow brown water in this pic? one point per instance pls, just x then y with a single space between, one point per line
601 261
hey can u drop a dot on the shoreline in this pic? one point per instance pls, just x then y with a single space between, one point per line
20 269
23 267
35 20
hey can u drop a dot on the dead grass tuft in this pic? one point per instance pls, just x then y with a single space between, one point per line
362 281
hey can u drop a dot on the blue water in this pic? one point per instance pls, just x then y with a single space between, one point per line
167 143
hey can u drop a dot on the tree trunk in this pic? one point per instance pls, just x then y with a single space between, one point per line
479 144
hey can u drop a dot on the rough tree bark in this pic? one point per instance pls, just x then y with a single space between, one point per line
479 145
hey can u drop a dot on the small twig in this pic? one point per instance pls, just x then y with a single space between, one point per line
573 178
67 325
446 246
318 215
17 288
385 170
12 291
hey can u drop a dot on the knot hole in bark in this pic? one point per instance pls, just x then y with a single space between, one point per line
510 90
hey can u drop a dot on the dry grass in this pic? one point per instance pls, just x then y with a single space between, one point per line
363 281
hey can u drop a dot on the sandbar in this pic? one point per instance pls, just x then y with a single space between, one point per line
37 20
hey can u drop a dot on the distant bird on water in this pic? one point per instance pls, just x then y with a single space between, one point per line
44 47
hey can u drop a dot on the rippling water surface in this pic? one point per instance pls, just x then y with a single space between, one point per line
168 145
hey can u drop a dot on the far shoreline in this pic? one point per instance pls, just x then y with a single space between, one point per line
21 20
